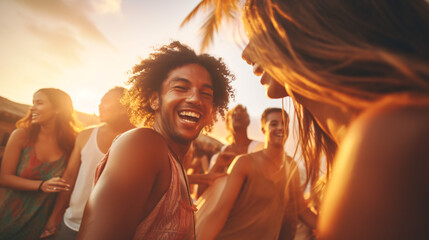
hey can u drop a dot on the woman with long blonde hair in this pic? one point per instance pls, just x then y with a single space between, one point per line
358 72
34 159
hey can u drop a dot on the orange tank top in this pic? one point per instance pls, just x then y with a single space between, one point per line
173 217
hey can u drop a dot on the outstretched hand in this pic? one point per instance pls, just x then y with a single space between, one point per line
55 184
209 178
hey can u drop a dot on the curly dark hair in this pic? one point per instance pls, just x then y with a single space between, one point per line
149 74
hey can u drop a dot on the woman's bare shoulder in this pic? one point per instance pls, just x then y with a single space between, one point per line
391 133
19 136
380 168
395 122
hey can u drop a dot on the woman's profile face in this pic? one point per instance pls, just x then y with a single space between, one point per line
42 110
273 88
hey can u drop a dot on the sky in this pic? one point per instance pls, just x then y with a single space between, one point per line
86 47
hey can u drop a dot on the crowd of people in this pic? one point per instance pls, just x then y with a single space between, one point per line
358 75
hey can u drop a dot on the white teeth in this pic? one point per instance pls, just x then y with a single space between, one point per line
189 114
187 120
257 69
279 134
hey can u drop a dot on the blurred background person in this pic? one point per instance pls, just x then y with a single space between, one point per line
196 163
90 147
237 121
34 159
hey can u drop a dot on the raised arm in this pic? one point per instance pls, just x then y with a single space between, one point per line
379 187
121 196
210 226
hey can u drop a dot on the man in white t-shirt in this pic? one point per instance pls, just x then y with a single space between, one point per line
90 147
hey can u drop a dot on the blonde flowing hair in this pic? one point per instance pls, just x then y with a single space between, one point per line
346 53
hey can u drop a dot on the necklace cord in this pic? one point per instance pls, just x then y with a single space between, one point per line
187 186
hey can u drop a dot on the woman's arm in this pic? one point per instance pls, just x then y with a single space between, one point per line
69 175
121 196
210 226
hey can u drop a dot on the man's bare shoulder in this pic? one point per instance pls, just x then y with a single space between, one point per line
142 134
144 143
138 151
244 162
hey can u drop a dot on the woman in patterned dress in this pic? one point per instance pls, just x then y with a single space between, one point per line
34 159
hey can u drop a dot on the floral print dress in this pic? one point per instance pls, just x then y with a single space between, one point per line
23 214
